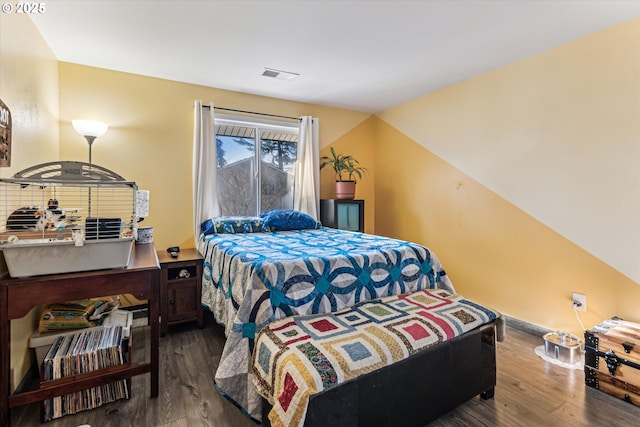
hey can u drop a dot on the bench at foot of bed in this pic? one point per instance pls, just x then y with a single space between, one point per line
410 391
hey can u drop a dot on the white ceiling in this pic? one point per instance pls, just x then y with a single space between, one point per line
359 55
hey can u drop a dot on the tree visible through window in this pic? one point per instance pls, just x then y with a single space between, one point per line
251 179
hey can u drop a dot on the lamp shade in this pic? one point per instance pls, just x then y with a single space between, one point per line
90 127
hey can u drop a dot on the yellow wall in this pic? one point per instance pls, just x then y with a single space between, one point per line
494 253
359 142
150 136
557 134
565 134
29 87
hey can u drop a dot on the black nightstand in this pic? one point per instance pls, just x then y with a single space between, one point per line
345 214
180 288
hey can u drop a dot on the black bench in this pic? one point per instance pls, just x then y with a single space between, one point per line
413 391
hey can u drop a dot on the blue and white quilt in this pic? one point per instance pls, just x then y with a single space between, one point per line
252 279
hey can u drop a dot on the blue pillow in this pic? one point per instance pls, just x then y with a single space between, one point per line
233 225
207 227
284 219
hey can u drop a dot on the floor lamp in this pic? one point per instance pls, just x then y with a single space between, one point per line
90 129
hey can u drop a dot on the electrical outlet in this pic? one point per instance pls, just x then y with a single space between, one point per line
579 301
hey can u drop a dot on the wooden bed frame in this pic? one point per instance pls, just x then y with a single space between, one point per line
414 391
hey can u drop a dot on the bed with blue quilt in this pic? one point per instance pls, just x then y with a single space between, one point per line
257 270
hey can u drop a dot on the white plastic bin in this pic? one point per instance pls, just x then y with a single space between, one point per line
37 257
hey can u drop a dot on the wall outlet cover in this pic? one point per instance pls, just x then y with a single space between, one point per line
579 301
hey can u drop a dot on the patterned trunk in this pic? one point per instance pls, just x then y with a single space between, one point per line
612 359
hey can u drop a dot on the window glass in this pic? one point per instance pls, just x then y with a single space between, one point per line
252 181
236 186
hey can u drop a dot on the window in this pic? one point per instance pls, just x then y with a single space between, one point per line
255 178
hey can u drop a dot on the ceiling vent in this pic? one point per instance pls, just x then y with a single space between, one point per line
279 74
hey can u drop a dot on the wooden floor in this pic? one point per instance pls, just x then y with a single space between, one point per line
530 392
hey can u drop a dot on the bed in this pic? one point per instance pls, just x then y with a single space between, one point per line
258 271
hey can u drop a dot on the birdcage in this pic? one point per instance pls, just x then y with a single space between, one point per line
61 217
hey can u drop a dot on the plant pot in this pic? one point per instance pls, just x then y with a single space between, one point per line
345 190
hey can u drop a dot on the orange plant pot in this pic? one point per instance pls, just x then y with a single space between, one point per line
345 189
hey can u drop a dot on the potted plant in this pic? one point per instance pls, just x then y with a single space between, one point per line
344 166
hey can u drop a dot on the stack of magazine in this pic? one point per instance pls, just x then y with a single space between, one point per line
80 353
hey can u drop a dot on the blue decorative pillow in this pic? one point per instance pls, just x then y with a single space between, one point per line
283 220
233 225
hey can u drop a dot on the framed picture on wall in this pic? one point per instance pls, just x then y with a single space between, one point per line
5 135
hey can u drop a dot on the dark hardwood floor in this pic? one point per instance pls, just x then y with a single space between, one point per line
530 391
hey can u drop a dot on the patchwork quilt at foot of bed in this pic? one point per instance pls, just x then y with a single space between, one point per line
298 356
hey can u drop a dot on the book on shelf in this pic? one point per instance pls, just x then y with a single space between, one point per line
84 352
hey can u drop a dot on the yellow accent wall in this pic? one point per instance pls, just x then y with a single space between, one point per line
150 134
557 134
510 175
29 87
494 253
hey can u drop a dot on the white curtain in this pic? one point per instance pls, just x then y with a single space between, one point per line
206 203
306 196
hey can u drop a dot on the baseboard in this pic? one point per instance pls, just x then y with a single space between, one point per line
525 326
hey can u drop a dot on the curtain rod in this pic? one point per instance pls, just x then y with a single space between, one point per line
252 112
